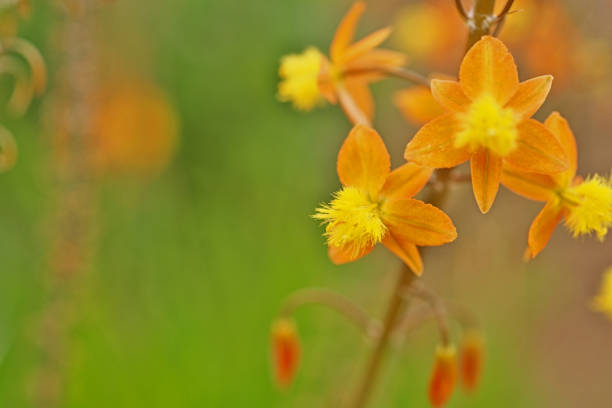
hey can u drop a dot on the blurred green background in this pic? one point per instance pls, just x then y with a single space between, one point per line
190 267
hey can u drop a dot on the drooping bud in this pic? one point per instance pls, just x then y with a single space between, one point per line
471 359
444 376
285 351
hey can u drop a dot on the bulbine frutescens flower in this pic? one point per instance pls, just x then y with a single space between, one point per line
309 78
375 205
488 122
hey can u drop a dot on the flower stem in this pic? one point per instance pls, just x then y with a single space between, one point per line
394 311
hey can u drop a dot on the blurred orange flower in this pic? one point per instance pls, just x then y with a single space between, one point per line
376 205
285 351
585 205
343 78
488 122
135 128
444 376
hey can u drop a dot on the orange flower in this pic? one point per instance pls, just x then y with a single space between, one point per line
488 122
343 78
376 205
136 129
418 105
285 351
471 359
444 376
585 205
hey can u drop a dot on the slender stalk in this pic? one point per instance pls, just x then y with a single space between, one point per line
405 74
394 311
334 301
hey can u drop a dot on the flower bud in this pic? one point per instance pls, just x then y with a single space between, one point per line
444 376
471 359
285 351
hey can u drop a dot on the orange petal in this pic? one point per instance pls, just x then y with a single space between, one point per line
406 181
537 150
486 170
346 31
406 251
542 228
562 131
364 45
325 81
418 105
362 96
450 95
342 255
488 67
530 95
434 144
379 58
363 160
411 220
534 186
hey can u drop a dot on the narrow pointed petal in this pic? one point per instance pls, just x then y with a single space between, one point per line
488 67
530 96
559 127
363 160
450 95
434 144
346 31
365 45
418 105
486 170
406 181
542 228
362 96
406 251
534 186
411 220
380 58
342 255
537 150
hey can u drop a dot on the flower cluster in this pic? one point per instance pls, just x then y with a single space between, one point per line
483 115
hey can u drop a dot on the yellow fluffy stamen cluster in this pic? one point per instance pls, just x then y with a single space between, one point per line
488 125
299 74
603 301
589 207
353 220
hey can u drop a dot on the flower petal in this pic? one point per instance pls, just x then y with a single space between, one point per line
342 255
363 46
434 144
530 95
411 220
362 96
379 58
346 31
406 181
488 67
537 150
534 186
418 105
486 170
559 127
406 251
450 95
542 228
363 160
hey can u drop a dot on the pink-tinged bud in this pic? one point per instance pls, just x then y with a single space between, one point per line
285 351
443 377
471 360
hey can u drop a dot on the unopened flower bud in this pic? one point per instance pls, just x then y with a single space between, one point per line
444 376
285 351
471 359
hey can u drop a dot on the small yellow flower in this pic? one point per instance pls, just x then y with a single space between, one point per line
299 73
590 207
603 301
